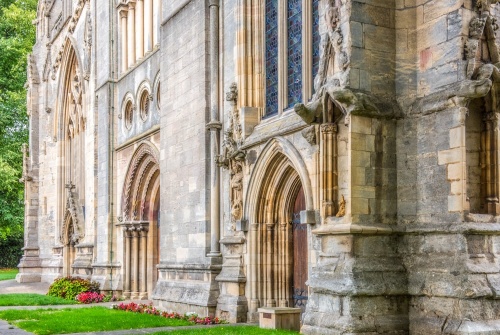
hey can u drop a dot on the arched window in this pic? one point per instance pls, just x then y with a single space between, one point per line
291 26
129 114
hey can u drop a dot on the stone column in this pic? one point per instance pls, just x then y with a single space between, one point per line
148 25
144 262
328 170
156 21
131 34
126 288
139 29
214 127
254 300
124 41
270 300
135 264
490 141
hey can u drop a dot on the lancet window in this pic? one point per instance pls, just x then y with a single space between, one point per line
291 26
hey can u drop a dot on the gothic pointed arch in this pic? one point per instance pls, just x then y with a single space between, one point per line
279 182
69 130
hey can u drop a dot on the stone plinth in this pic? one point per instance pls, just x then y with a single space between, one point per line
279 318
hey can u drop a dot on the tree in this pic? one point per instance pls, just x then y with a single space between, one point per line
17 35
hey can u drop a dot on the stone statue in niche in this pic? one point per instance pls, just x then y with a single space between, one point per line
233 157
333 57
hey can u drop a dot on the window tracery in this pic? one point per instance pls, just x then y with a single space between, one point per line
290 27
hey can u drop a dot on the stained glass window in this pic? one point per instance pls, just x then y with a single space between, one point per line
294 70
271 57
316 38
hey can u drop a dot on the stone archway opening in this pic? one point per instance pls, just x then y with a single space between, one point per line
279 249
140 223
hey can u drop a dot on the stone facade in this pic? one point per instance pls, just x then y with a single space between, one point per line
162 164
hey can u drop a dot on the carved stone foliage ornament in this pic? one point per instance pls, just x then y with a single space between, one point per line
232 157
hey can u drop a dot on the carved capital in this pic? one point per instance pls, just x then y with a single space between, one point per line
328 128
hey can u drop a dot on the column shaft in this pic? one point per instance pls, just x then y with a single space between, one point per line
131 34
139 29
214 127
148 25
156 21
126 289
144 263
135 265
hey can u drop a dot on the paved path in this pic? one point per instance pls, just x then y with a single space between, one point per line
11 286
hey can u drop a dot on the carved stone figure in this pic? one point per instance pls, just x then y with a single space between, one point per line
232 156
331 46
341 211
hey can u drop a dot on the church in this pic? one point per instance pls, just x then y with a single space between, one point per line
220 156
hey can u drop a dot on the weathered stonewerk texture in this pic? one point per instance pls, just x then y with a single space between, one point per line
156 166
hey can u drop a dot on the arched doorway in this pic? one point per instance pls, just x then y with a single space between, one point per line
279 259
141 222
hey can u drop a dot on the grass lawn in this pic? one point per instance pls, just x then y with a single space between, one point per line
80 320
29 299
6 274
223 330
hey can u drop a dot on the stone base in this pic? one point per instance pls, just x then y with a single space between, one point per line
108 275
279 318
186 288
232 309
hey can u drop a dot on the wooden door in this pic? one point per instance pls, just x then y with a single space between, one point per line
299 254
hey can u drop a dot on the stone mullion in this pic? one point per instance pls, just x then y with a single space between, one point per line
156 20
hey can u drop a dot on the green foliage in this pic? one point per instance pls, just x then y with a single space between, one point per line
70 287
17 35
83 320
6 274
10 249
31 299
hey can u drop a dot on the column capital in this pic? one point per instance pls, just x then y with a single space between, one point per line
213 3
328 128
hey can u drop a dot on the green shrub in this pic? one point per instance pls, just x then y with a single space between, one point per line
11 251
70 287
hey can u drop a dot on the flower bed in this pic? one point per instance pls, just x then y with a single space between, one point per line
150 309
